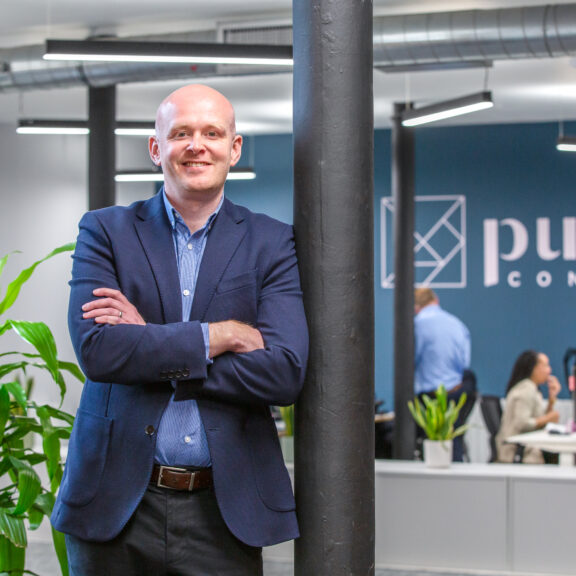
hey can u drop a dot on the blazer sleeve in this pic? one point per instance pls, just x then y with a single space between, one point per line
274 375
126 354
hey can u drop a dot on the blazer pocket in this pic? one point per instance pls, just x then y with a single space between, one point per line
236 299
246 279
87 452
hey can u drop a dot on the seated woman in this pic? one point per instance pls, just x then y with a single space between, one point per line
524 410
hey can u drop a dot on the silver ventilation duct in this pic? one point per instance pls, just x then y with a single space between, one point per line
418 40
475 36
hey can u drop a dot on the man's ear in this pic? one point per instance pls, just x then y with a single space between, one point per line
154 150
236 150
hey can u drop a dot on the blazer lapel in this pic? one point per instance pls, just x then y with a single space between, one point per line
223 240
153 229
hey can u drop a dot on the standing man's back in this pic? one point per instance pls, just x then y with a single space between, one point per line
442 353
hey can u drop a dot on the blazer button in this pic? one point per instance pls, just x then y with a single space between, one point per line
150 430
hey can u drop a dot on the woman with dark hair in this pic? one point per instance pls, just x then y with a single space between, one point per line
524 410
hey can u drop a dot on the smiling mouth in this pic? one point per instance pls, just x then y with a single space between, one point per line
195 164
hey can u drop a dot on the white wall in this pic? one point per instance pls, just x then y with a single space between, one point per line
43 194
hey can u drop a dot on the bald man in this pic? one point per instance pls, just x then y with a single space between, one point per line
186 316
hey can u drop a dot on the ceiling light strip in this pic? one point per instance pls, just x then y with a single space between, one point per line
447 109
168 52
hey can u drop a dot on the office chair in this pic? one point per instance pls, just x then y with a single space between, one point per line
492 414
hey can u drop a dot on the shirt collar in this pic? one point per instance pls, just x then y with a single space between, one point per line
175 217
429 309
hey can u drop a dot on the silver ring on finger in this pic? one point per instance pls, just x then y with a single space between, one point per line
119 313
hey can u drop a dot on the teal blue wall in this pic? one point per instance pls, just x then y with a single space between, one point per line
503 172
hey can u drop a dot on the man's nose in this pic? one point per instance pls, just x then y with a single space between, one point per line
195 144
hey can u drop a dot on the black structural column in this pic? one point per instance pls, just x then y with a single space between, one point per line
403 195
333 216
101 147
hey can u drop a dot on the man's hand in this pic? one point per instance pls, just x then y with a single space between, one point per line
233 336
111 307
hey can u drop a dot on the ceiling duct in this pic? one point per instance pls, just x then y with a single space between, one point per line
416 41
474 36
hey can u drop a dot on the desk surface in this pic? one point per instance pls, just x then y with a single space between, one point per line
477 470
558 443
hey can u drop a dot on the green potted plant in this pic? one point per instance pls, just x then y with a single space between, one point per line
287 435
437 417
30 434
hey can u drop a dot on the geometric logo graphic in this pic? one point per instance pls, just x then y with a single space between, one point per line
439 241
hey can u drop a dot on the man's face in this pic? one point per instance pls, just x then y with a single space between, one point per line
195 143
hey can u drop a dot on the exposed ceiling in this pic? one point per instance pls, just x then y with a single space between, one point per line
524 90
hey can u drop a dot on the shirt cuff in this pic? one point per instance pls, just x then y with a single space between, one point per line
206 334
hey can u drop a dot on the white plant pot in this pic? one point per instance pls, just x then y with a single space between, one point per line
438 453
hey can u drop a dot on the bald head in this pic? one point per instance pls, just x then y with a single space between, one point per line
195 94
195 145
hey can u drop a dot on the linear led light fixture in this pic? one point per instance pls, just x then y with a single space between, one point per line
52 127
123 128
169 52
155 176
447 109
566 144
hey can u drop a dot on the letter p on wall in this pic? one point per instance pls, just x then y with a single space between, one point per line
492 254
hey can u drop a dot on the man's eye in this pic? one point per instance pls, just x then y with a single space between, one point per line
212 133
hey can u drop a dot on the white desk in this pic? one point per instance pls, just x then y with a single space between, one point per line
562 444
472 517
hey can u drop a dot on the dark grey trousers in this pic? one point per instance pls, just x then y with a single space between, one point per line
170 534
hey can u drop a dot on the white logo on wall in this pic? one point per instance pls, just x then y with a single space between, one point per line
519 243
439 241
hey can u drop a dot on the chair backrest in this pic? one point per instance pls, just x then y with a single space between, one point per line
492 414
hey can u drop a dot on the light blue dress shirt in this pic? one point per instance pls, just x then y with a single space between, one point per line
442 349
181 435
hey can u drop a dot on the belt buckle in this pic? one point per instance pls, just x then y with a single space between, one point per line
173 469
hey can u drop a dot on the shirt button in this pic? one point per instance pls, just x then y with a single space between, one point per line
186 292
189 246
187 439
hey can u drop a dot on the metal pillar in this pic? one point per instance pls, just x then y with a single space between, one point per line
333 216
403 194
101 147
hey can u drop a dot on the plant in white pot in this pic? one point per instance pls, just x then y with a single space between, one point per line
437 417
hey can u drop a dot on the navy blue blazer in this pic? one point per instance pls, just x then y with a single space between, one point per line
248 273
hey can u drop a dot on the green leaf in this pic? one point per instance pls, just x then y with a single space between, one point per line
14 287
4 410
13 528
58 414
29 486
11 367
3 261
60 547
17 392
45 503
40 336
35 517
73 369
438 416
12 557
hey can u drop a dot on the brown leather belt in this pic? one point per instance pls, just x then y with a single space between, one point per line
181 479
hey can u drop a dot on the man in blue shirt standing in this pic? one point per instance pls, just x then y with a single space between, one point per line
442 356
